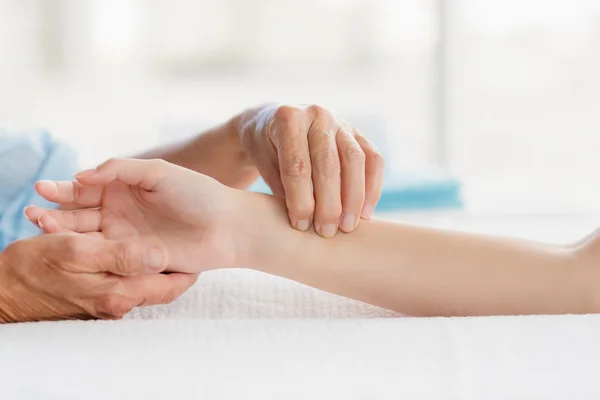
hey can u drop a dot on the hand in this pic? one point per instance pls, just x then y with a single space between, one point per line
190 214
63 276
298 149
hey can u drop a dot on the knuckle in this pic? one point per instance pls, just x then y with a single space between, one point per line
327 162
317 111
320 137
110 162
377 159
77 192
296 167
72 248
355 155
287 113
112 306
123 255
355 132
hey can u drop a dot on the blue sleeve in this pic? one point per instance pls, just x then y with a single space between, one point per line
24 159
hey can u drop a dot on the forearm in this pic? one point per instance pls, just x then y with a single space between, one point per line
421 271
217 153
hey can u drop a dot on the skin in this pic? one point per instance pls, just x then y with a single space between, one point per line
69 276
419 271
301 148
295 148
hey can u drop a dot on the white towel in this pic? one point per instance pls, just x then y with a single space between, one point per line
244 293
436 358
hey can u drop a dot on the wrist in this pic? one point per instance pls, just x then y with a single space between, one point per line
264 239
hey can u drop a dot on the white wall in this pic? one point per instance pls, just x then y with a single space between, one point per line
523 91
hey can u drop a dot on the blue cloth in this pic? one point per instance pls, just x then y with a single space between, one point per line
24 159
410 191
420 191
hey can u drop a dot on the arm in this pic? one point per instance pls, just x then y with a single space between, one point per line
422 271
413 270
217 153
329 174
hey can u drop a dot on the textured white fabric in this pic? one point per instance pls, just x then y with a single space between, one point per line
453 358
246 294
241 334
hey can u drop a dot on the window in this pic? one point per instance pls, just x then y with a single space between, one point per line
504 93
524 100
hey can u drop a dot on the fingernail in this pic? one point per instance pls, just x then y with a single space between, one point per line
39 222
303 225
85 173
25 213
348 221
49 183
328 230
367 211
155 259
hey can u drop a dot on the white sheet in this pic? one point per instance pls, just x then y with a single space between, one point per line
240 334
458 358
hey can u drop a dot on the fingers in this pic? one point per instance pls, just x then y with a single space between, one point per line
50 225
352 160
146 174
80 221
325 172
268 165
374 173
270 175
128 258
69 193
158 288
129 292
288 135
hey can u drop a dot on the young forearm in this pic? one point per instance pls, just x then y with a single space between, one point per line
217 153
422 271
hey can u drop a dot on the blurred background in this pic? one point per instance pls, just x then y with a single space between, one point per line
503 94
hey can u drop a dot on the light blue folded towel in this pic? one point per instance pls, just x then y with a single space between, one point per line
420 191
24 159
410 191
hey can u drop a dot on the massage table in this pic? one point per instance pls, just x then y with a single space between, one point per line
242 334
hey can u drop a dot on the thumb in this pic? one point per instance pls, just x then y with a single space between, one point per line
129 258
147 174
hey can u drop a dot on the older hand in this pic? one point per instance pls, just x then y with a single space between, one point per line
66 276
326 170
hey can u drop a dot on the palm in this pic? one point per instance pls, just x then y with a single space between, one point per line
192 238
188 219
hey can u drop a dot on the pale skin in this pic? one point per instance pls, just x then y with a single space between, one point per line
203 225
